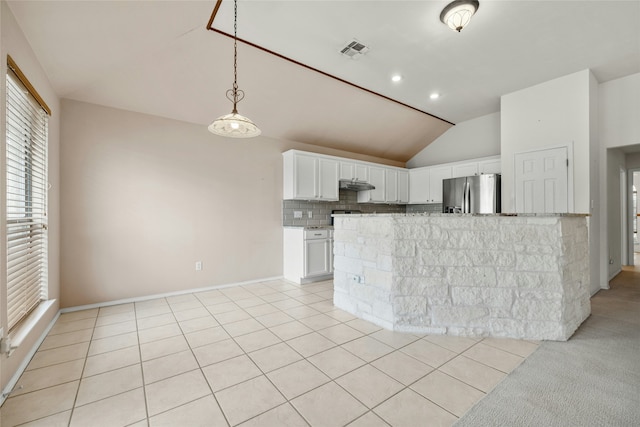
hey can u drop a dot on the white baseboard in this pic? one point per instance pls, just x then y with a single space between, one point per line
164 295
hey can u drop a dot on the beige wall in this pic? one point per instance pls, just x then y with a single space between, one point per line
144 198
15 44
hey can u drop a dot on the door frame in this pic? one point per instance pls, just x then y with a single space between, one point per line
630 216
624 226
569 147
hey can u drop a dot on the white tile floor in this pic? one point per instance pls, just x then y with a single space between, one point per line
268 354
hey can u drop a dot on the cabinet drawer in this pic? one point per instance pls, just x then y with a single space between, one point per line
316 234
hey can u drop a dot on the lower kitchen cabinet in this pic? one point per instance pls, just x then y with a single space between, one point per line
308 254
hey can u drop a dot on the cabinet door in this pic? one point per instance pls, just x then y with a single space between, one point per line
376 177
347 170
419 186
305 171
361 172
490 166
316 260
436 175
403 187
390 186
465 169
328 179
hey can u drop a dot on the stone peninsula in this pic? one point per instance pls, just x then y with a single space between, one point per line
523 276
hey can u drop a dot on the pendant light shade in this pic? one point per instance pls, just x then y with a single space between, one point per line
456 15
234 125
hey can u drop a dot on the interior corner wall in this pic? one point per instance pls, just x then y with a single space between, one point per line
597 257
615 162
145 197
14 43
479 137
552 114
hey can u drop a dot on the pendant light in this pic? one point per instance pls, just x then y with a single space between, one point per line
457 14
234 125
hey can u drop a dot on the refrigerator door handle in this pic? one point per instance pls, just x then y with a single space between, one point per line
466 196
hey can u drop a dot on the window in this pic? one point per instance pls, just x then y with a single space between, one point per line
26 196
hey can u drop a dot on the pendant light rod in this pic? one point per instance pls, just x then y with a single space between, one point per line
234 124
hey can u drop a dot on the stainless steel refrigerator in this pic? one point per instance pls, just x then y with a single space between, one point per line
472 194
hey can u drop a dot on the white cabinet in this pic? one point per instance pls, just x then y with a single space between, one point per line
309 177
490 166
403 186
377 179
436 175
396 186
477 167
308 254
425 184
464 169
390 186
354 170
419 186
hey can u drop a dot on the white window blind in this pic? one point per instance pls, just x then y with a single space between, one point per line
26 201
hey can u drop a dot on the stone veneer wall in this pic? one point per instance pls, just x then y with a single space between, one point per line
470 275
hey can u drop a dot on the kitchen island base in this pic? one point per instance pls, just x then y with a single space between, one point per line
524 276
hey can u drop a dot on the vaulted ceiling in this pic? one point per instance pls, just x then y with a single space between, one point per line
157 57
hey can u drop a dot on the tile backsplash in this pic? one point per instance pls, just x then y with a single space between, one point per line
321 211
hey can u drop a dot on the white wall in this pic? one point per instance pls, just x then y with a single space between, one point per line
552 114
14 43
479 137
619 111
618 126
560 112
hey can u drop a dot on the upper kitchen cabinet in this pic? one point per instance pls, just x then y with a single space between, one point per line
464 169
490 166
419 186
309 177
354 171
377 179
425 184
396 186
437 174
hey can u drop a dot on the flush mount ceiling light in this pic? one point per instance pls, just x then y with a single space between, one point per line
396 78
457 14
234 125
434 95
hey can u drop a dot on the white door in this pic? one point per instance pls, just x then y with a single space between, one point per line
541 181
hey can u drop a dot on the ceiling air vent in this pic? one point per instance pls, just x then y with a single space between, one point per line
354 48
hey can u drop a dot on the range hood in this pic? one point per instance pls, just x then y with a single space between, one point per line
355 185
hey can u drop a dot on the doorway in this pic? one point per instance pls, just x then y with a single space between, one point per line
635 215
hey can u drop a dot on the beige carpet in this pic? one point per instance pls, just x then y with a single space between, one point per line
591 380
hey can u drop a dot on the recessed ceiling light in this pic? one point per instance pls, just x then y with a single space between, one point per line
434 96
396 78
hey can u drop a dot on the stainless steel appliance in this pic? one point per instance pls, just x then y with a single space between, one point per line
472 194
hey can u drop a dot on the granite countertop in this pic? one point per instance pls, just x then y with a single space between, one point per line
310 227
440 214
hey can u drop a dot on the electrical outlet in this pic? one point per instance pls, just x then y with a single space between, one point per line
309 214
297 214
198 265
